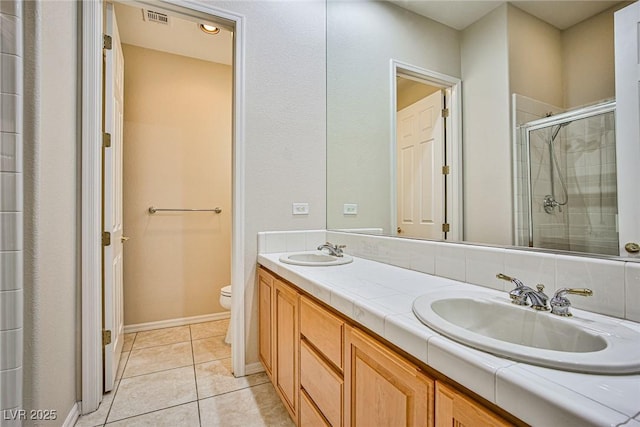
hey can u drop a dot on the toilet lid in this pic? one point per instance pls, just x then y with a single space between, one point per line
226 291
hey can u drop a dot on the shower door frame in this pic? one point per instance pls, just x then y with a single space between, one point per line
556 119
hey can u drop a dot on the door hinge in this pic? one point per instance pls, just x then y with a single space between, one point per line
106 238
106 42
446 170
106 338
106 140
445 228
445 112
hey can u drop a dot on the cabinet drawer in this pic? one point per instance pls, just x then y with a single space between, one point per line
309 415
322 329
323 385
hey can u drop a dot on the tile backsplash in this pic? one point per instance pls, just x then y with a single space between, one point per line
615 284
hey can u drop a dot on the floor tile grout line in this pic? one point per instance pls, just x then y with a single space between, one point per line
195 377
151 412
157 372
233 391
106 418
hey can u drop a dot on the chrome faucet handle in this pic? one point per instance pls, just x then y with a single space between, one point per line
517 294
560 304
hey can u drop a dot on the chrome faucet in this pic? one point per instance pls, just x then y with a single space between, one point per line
521 293
335 250
560 304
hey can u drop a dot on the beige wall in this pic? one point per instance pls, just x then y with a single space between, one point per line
177 154
535 58
486 135
51 285
411 91
589 60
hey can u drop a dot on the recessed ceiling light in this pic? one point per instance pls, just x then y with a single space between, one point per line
209 29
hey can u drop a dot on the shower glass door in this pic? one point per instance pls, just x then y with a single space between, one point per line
572 184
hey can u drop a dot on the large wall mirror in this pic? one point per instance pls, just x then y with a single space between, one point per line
484 121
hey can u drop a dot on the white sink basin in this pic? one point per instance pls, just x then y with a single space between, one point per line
314 258
488 321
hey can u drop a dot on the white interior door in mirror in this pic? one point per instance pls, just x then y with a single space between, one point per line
420 145
627 68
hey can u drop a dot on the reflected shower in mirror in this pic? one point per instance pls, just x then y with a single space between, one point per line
566 181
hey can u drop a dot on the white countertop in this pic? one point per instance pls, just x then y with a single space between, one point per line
380 297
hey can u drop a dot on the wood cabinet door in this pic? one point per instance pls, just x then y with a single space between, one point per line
286 341
265 320
382 388
455 409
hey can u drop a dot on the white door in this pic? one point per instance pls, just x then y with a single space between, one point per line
112 191
627 23
420 154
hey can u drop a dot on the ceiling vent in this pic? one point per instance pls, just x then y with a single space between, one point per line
157 17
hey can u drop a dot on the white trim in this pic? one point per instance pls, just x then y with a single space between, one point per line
454 149
91 195
170 323
91 206
253 368
73 416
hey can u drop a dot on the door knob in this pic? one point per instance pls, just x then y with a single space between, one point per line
399 230
632 248
123 239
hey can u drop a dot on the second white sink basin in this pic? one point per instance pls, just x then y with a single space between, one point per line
487 320
314 258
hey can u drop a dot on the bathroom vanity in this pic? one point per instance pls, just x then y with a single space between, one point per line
330 371
343 348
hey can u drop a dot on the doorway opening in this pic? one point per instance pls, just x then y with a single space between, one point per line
425 154
181 149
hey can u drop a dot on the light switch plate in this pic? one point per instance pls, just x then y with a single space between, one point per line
350 209
301 208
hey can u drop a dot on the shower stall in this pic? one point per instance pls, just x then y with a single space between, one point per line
566 185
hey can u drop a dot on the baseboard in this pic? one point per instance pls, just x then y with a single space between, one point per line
253 368
169 323
73 416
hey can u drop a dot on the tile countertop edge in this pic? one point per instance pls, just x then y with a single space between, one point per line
562 399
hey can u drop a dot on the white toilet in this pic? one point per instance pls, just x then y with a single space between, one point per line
225 302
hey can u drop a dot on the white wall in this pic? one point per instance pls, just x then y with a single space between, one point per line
51 211
362 38
486 135
285 127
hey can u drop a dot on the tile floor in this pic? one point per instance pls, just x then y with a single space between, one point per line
182 377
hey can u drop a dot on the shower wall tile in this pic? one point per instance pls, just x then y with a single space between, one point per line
10 349
10 152
11 34
10 310
13 8
11 379
605 278
632 290
482 265
10 231
10 113
11 72
10 270
10 192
